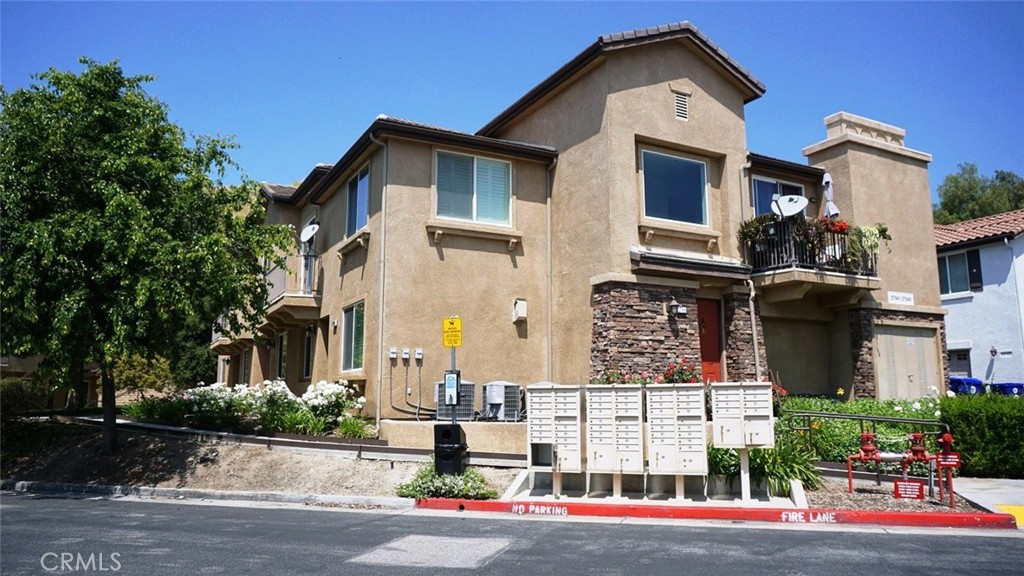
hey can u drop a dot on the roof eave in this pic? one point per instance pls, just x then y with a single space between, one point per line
683 31
975 242
384 127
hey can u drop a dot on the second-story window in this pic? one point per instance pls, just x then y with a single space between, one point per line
960 273
766 189
675 187
473 188
358 201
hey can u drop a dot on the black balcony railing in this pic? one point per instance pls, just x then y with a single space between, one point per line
793 243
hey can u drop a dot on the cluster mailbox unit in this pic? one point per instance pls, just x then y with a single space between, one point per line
554 430
677 431
741 415
615 432
669 438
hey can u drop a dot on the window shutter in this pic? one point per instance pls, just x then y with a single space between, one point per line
974 270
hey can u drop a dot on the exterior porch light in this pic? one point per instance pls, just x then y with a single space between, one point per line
674 308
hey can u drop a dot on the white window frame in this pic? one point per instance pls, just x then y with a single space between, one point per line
758 210
475 217
348 361
353 228
706 218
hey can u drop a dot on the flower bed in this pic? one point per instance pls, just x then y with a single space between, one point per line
268 407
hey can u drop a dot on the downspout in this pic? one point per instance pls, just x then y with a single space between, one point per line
383 261
753 332
750 283
549 353
1016 288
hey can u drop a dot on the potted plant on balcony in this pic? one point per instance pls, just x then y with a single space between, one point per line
864 242
758 228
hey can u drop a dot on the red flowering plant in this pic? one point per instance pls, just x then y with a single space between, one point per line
682 371
778 395
835 225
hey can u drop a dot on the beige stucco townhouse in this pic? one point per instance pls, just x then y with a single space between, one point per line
594 226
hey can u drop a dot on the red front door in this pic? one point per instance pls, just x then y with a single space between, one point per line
710 340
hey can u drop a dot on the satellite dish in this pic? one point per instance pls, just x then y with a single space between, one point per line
786 206
310 231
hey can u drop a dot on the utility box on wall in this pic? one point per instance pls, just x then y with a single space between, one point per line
615 439
676 429
554 427
741 415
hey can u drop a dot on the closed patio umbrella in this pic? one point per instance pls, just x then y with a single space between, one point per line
831 210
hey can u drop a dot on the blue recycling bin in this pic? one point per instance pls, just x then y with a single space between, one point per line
1008 388
964 385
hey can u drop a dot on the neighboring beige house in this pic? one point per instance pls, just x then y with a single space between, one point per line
595 205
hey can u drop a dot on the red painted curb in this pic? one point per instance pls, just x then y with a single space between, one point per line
784 515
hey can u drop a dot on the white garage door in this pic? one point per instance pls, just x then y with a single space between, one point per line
907 361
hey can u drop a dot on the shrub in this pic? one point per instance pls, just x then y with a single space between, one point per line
18 396
302 421
470 485
787 461
272 405
988 432
723 461
355 427
329 400
833 440
167 410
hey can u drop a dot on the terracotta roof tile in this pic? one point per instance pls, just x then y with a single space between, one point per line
996 226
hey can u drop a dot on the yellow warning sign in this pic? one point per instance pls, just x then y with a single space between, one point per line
451 330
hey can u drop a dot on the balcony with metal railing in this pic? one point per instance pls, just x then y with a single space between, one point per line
293 299
794 257
293 294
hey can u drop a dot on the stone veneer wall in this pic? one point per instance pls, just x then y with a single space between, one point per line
862 344
739 342
631 332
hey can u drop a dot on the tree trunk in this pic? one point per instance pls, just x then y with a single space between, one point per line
109 410
79 389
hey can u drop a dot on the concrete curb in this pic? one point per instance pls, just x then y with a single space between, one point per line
562 508
567 509
196 494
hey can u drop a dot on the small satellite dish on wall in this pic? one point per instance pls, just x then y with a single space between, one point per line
786 206
308 232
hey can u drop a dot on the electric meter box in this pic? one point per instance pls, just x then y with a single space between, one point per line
741 415
615 438
677 429
554 427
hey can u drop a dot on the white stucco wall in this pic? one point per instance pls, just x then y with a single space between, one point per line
993 317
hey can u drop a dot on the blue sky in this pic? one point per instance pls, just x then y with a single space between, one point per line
297 82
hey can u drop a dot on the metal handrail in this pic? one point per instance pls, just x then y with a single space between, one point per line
874 420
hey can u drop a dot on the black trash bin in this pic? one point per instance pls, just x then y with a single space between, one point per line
449 449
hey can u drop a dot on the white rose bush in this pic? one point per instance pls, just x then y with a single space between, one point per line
266 407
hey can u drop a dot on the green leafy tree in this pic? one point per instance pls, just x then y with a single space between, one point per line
139 374
117 228
967 195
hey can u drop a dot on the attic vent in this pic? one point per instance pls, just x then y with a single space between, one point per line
682 106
